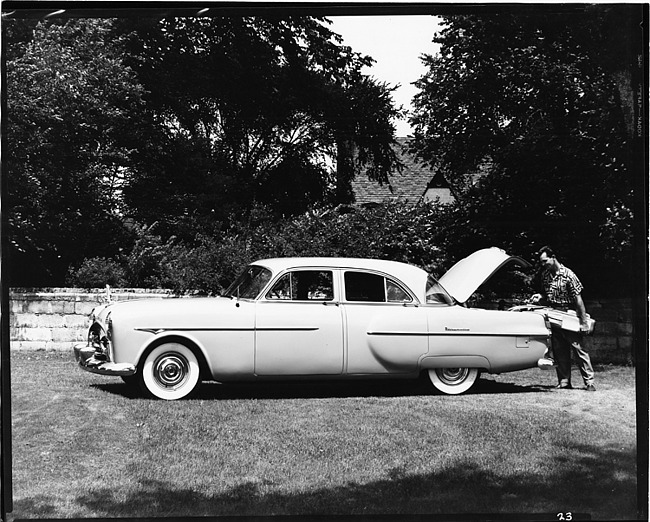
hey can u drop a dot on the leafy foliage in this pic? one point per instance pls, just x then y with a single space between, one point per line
408 233
70 98
249 110
118 124
182 148
97 272
528 94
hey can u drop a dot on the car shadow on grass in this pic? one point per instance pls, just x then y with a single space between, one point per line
314 389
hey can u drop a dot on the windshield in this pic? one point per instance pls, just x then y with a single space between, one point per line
250 283
436 294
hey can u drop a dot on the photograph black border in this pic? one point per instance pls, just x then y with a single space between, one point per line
117 9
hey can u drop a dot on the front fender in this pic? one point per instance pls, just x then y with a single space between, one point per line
175 336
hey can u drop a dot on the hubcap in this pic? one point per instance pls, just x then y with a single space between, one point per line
170 370
452 376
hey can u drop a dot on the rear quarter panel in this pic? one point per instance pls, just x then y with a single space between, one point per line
498 341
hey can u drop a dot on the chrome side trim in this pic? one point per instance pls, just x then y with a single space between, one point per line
253 329
460 333
405 334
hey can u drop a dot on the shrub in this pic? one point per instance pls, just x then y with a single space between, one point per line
410 233
97 272
415 234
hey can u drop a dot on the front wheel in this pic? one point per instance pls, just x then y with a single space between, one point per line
170 371
453 381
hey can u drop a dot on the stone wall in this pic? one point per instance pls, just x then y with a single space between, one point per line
613 340
57 319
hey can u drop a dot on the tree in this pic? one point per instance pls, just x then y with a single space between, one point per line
525 91
113 124
246 106
70 100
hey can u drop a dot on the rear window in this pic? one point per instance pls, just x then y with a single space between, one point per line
436 294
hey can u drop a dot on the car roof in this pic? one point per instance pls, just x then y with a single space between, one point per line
415 278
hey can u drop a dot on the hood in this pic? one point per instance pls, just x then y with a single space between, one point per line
172 309
466 276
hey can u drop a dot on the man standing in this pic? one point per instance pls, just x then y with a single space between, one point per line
563 288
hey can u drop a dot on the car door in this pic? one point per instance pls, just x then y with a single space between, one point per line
386 330
299 327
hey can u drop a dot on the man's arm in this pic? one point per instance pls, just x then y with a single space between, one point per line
582 312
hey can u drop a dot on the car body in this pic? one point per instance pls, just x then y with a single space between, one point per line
322 318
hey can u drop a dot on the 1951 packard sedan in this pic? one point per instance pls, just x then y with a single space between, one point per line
322 318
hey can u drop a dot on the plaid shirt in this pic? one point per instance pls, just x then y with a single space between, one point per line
561 288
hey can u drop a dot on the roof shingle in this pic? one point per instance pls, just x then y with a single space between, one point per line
409 185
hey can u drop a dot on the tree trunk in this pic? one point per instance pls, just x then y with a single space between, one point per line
344 171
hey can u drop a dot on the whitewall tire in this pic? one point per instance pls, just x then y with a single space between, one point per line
170 372
453 381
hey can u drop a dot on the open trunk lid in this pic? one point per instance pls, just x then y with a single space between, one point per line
466 276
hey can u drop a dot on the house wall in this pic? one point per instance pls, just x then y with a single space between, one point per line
441 195
57 319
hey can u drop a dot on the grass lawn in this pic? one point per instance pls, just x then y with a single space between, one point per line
87 446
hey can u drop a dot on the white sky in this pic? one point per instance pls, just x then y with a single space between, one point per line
396 43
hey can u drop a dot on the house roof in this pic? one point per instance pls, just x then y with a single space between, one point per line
409 185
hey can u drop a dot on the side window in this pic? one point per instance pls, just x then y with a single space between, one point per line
281 291
303 285
396 294
373 288
363 287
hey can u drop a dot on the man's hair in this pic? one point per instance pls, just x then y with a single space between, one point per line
546 250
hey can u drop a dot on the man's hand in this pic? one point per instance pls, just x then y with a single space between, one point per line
535 298
584 325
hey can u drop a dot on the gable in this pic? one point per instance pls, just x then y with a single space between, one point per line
415 183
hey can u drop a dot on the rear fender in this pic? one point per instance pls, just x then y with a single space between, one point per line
454 361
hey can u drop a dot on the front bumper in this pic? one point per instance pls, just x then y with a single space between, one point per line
85 356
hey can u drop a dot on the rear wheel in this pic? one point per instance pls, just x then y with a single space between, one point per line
170 371
453 381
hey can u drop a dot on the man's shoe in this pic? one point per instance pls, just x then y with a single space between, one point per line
590 387
564 386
